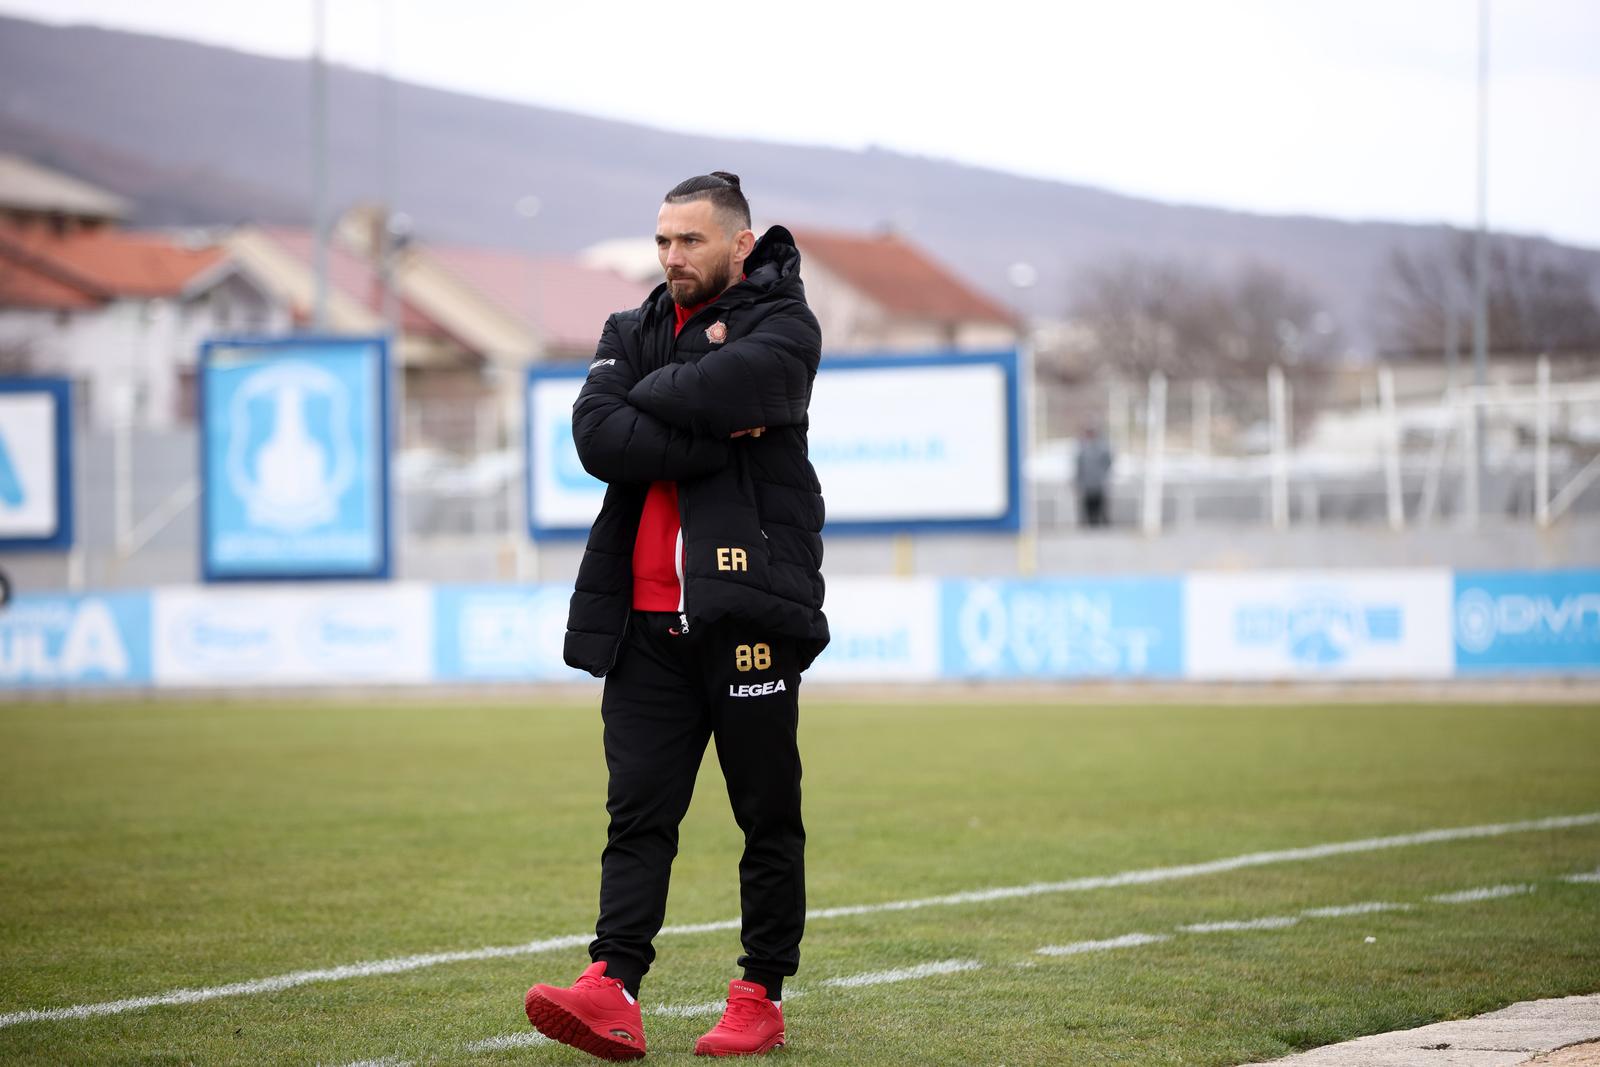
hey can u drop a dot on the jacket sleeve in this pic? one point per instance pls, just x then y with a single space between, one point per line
761 379
617 442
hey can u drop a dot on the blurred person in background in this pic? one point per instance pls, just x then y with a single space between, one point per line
1092 476
699 600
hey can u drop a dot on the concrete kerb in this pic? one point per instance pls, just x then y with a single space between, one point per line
1560 1032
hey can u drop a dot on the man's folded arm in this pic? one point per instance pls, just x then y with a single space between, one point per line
617 442
762 379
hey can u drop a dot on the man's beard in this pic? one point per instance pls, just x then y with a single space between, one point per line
713 286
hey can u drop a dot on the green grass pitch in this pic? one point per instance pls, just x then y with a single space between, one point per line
150 846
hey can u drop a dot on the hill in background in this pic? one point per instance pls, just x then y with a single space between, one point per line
195 134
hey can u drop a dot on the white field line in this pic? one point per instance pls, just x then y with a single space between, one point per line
902 974
1490 892
530 1039
691 1011
1079 947
1364 908
1145 876
1271 922
1583 876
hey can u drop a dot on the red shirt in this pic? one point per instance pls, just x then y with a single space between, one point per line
658 546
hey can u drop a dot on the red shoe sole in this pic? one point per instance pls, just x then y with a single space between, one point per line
559 1024
776 1042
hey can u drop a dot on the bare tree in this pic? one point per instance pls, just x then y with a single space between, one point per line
1136 316
1540 298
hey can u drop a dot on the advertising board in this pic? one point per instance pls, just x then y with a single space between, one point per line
294 458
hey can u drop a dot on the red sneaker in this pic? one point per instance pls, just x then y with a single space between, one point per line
750 1025
596 1015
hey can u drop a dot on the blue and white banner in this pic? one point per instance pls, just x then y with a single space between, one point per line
901 442
1063 628
562 497
317 635
294 450
1545 622
35 463
1397 624
501 633
1326 624
883 630
63 641
918 442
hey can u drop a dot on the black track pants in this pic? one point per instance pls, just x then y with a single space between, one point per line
665 697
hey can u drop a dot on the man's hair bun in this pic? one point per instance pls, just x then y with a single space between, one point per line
722 189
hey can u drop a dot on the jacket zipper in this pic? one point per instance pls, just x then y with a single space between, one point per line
683 581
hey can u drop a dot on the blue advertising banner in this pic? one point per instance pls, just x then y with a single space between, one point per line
294 458
1527 621
928 441
35 463
500 633
1063 628
51 641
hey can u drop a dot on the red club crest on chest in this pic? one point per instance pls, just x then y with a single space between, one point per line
717 332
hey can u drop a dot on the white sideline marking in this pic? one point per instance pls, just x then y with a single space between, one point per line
979 896
1488 892
1585 876
928 970
1125 941
296 978
531 1039
1271 922
1232 863
1365 908
690 1011
902 974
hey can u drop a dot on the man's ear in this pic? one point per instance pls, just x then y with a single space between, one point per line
743 245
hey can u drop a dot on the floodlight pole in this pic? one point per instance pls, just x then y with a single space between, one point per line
1480 248
319 170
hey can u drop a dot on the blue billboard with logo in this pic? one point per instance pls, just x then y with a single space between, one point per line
1063 628
1527 621
35 463
294 458
500 633
65 641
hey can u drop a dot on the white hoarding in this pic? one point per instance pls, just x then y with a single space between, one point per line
916 443
1324 624
896 441
31 468
561 494
883 630
302 636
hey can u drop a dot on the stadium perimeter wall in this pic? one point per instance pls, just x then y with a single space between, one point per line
1400 624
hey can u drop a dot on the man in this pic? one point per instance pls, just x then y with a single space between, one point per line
1092 475
699 600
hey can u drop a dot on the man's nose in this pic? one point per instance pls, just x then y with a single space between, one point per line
675 255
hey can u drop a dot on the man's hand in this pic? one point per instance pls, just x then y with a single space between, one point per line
757 432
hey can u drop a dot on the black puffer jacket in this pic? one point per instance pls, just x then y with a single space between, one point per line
661 408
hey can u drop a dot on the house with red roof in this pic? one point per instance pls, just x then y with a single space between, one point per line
881 293
470 320
122 313
870 292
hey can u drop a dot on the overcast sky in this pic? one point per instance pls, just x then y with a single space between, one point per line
1348 108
